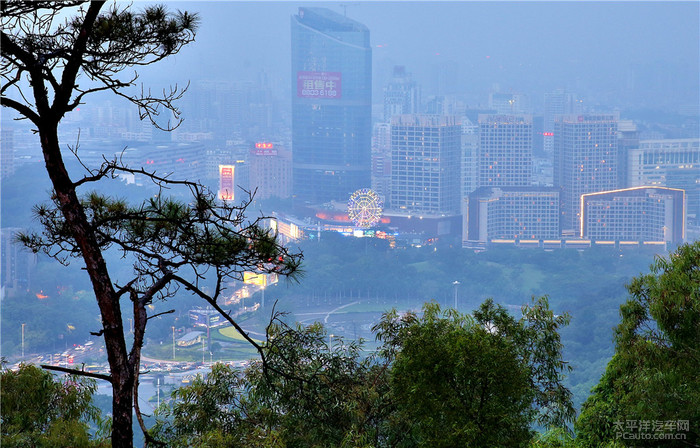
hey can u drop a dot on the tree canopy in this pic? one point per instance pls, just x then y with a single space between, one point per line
651 386
438 379
54 54
40 411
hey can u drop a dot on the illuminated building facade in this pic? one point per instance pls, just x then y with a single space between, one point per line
671 163
425 164
227 186
505 150
288 229
331 105
585 161
270 171
650 214
530 213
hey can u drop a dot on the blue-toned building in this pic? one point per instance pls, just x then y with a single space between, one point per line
331 105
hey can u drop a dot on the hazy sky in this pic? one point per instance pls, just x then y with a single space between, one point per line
642 52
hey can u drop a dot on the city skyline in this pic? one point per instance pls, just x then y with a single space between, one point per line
520 47
508 138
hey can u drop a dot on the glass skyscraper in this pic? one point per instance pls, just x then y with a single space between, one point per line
331 105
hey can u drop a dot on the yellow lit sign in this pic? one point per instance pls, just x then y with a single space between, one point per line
251 278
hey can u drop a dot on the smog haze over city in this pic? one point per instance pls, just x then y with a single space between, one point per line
415 152
616 53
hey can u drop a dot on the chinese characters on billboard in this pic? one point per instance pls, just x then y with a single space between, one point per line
265 149
226 182
319 85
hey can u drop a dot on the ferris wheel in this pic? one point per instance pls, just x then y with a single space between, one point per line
365 208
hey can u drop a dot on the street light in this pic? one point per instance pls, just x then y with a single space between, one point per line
456 283
330 342
173 343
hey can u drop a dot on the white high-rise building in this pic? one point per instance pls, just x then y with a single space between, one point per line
401 95
505 150
556 103
425 164
671 163
585 161
470 157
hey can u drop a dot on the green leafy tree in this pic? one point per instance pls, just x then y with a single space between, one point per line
320 389
306 394
443 379
55 54
654 375
41 411
554 438
476 381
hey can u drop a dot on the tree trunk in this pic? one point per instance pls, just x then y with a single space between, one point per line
122 415
107 300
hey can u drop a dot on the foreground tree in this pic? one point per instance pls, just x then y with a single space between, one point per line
651 386
441 379
311 394
40 411
49 65
478 381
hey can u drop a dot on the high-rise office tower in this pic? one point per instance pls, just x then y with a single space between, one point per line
505 150
627 139
425 164
401 95
269 170
508 103
16 263
381 161
331 105
470 156
7 153
670 163
556 103
585 161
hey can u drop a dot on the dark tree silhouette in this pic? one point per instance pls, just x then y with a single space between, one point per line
49 65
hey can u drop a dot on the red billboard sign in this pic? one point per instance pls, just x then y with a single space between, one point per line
226 182
319 85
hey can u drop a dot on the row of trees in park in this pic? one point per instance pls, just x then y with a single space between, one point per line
439 378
